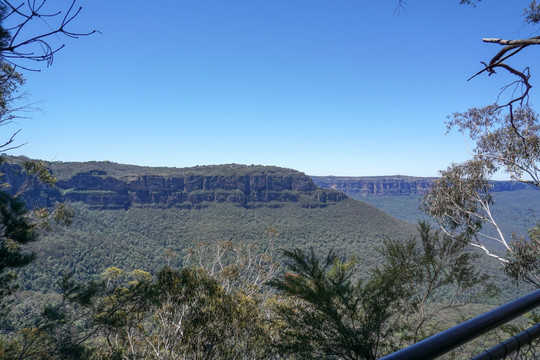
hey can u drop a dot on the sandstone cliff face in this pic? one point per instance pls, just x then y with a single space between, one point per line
393 185
376 186
195 187
100 190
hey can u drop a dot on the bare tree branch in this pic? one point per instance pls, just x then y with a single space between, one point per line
24 44
515 43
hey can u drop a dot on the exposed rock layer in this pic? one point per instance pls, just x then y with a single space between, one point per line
100 190
393 185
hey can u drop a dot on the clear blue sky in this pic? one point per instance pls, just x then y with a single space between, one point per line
325 87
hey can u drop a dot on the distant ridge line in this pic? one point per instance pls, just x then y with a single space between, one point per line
398 185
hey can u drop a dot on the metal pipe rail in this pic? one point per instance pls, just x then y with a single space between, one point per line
450 339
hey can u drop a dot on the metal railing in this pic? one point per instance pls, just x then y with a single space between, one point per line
446 341
520 346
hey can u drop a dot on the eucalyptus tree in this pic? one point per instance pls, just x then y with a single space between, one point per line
507 141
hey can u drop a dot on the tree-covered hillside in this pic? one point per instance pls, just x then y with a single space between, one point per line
139 237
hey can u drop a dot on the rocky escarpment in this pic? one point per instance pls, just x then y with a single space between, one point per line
393 185
187 188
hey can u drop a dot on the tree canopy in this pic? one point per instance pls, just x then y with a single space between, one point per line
507 141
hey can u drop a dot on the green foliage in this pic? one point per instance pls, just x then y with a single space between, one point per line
504 141
15 232
324 311
461 199
4 33
329 314
507 140
524 258
532 13
62 329
180 314
458 198
10 81
38 169
98 239
435 274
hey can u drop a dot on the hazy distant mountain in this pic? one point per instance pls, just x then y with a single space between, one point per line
393 185
517 205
